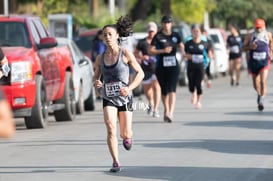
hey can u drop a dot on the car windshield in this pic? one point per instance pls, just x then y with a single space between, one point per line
84 42
14 34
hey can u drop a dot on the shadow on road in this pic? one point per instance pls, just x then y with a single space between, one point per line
200 173
256 147
168 173
239 123
256 113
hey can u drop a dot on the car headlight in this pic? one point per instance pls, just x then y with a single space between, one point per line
21 71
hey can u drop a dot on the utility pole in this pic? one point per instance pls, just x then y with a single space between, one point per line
121 5
93 7
112 8
206 20
6 7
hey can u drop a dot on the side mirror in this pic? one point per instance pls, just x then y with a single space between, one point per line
83 62
47 42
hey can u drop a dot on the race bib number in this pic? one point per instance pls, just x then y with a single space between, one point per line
259 56
112 89
197 58
169 61
234 49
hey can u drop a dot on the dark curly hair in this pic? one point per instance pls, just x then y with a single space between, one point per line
124 26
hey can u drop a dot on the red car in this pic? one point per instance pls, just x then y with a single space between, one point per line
40 77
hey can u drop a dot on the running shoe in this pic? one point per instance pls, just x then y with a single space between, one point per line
232 82
167 119
261 104
150 111
198 105
127 143
156 114
258 99
116 167
260 107
209 84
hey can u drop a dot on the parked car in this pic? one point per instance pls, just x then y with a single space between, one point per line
40 78
220 62
82 76
85 39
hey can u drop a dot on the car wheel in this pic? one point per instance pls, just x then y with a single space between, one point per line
39 112
89 103
80 103
68 99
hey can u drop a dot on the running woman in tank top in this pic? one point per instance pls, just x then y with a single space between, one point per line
113 66
164 45
259 45
196 50
234 45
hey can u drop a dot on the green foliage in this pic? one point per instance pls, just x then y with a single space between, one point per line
59 7
140 26
242 12
191 11
222 12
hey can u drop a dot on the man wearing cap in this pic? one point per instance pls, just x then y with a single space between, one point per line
164 45
150 84
259 45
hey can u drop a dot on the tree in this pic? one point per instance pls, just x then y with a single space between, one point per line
166 7
191 11
12 6
241 12
141 6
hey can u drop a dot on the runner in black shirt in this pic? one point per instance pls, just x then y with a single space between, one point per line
196 50
234 44
164 45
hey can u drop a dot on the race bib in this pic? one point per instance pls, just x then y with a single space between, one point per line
169 61
112 89
259 55
234 49
197 58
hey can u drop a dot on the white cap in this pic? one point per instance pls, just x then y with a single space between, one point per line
151 27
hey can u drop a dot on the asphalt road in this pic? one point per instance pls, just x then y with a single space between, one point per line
227 140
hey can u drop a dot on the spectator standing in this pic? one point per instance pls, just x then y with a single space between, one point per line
98 47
